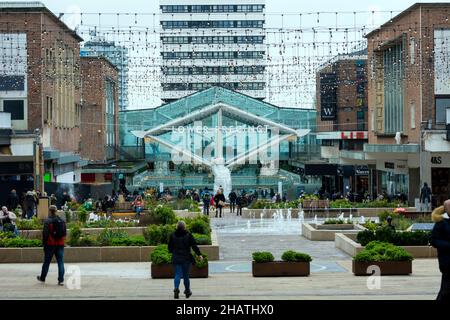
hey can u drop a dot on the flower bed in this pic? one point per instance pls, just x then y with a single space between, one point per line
293 264
162 268
389 259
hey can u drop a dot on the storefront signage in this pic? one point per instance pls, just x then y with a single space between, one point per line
389 165
362 170
439 160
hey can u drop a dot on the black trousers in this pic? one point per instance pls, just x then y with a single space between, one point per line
232 206
219 211
239 211
206 209
444 293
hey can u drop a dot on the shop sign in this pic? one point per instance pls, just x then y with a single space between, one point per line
362 170
440 160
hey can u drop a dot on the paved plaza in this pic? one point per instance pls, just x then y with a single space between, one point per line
230 278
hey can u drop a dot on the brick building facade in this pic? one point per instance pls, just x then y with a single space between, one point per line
99 119
41 90
341 87
409 87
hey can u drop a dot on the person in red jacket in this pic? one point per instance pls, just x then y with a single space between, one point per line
53 238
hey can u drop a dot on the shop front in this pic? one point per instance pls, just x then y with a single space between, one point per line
440 177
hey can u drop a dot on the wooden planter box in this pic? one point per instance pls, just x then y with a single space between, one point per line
386 267
166 271
281 269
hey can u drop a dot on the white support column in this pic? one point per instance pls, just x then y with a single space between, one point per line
219 142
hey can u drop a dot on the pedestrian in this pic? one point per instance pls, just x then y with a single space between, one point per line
180 244
30 201
53 200
219 200
138 205
53 237
206 202
232 197
425 197
13 200
240 201
65 199
8 221
440 239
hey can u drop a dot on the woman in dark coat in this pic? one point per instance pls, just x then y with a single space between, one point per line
219 200
440 239
180 244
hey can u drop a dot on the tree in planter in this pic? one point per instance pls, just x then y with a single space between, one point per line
292 256
263 256
382 251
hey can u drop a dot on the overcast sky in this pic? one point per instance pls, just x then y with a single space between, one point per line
293 57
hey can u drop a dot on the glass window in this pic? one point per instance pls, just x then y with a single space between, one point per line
15 107
441 109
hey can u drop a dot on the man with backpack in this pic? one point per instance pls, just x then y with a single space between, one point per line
53 237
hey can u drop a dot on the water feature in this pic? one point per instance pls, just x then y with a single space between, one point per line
315 219
362 220
341 216
289 214
301 216
350 218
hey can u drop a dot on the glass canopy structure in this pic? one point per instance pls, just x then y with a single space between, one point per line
254 140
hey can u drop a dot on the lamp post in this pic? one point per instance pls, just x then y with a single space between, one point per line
38 162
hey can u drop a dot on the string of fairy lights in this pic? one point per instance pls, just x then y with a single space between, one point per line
295 47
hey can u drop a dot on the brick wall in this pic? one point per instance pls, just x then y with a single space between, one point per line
43 34
95 72
417 97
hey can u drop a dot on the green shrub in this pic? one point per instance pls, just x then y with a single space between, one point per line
161 255
86 241
164 214
82 214
202 239
341 203
19 243
372 226
75 235
106 237
292 256
385 214
382 251
378 204
158 234
134 241
110 224
33 224
201 263
261 257
402 223
365 236
6 235
386 234
198 226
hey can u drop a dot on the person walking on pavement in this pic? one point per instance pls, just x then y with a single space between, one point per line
232 197
440 239
206 202
425 197
219 200
240 201
180 244
53 237
13 200
30 201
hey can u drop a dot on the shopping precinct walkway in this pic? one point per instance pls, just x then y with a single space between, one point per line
230 278
133 281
